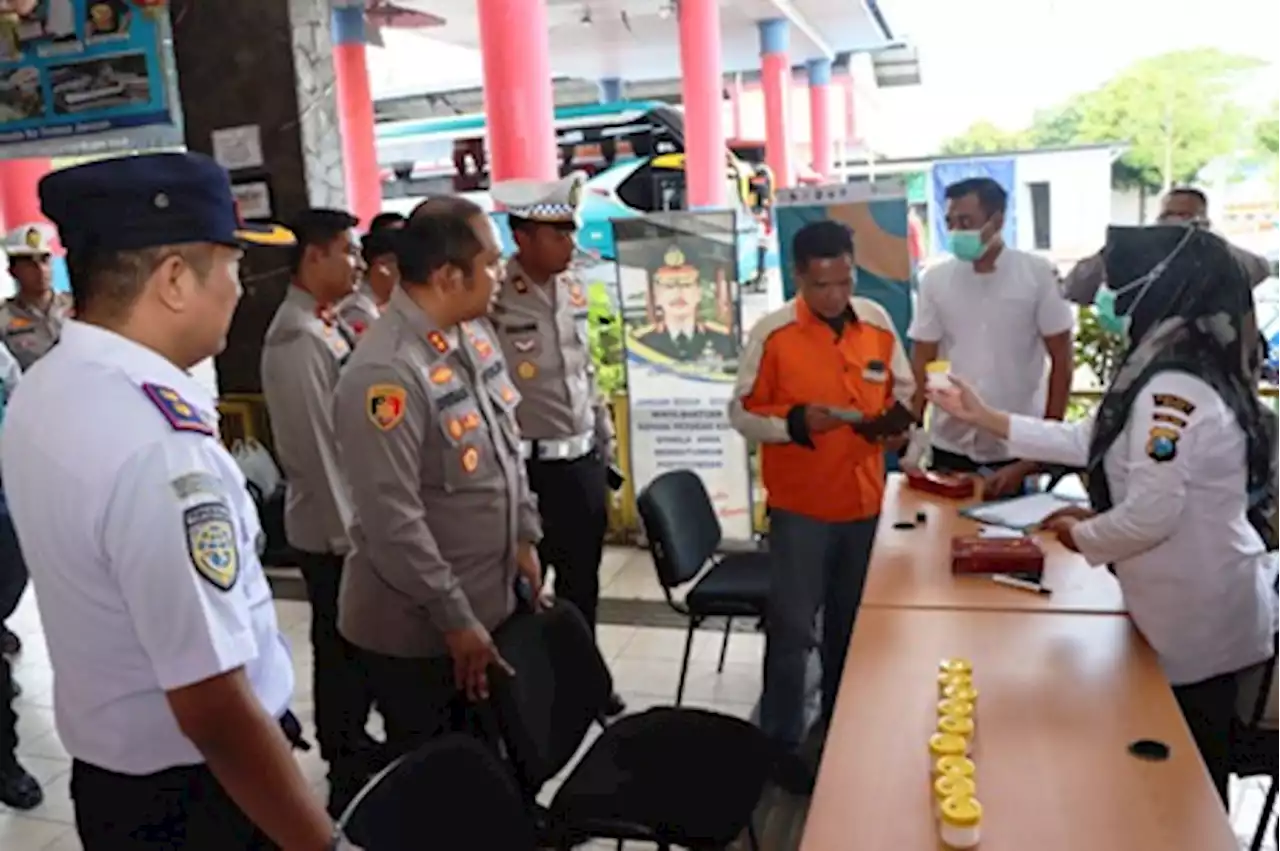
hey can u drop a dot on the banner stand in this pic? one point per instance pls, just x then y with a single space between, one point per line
679 278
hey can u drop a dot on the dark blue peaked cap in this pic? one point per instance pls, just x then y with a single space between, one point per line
138 202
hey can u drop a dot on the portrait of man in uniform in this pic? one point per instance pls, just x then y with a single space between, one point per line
689 322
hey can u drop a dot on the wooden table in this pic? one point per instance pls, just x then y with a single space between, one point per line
1061 697
912 567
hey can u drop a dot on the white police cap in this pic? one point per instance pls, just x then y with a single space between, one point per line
31 240
554 202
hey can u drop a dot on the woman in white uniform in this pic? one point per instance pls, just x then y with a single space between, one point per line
1173 454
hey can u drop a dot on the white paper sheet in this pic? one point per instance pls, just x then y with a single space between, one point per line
1024 512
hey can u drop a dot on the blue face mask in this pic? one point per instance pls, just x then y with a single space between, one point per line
1104 303
967 245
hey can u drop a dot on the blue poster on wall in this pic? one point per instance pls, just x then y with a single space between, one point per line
947 172
76 68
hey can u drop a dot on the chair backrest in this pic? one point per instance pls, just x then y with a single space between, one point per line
681 525
560 688
429 797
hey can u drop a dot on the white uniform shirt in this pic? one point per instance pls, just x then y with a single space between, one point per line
140 538
1196 576
991 328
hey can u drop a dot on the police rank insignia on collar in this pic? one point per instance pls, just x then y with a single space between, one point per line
180 413
384 405
438 342
211 543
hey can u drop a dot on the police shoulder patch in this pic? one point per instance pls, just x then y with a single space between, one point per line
384 405
211 543
181 414
1173 402
1162 445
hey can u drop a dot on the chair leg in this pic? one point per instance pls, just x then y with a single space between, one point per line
684 664
1265 819
724 645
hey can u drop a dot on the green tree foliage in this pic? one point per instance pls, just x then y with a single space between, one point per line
604 337
1266 132
1174 111
983 137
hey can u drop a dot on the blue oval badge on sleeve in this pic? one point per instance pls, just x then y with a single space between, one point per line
211 543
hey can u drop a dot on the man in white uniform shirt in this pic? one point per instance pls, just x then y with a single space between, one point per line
995 313
170 673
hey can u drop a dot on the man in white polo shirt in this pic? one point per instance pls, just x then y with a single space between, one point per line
995 313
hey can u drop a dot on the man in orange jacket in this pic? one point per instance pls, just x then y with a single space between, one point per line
823 384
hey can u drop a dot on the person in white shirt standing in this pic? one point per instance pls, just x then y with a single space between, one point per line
994 313
171 677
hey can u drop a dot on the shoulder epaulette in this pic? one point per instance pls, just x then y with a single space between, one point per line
181 414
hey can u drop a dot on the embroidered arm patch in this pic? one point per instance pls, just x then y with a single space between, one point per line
211 543
180 414
1173 403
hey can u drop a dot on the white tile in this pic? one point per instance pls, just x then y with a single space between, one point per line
68 841
22 833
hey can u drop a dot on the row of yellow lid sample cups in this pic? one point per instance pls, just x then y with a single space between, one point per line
950 755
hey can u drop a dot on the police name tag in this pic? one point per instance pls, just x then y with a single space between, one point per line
211 543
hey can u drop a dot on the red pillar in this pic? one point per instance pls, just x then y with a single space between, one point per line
19 196
519 104
775 80
355 113
702 75
820 116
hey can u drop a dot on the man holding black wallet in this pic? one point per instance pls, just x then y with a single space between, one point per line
823 385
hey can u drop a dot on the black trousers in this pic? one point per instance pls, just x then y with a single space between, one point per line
573 500
340 681
418 700
183 809
8 717
1209 707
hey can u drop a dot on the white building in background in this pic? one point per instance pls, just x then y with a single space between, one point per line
1062 200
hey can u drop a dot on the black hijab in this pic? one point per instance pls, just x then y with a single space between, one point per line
1190 319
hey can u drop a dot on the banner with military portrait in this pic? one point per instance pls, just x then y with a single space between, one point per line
678 276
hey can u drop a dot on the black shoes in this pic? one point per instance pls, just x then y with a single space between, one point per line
18 789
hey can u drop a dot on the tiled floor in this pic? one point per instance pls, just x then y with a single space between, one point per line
644 659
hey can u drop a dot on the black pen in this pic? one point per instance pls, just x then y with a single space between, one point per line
1012 582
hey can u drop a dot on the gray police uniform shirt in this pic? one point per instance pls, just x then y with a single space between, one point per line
428 441
303 351
543 332
30 331
359 310
140 537
1196 576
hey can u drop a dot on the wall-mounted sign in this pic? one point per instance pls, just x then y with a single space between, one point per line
71 69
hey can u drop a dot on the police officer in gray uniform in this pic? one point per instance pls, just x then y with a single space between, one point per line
170 670
444 521
541 320
305 346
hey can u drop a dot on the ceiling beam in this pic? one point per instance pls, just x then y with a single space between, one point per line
797 19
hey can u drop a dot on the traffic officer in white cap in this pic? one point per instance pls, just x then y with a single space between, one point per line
541 319
31 320
170 673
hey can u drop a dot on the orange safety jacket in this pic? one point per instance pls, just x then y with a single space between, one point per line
795 358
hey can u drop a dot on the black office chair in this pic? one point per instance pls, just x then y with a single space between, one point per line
674 777
684 534
451 794
1254 741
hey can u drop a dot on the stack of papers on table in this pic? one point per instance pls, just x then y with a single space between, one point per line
1023 512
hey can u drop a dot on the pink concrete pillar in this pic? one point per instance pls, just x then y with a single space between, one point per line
775 80
820 138
519 104
701 79
355 113
19 197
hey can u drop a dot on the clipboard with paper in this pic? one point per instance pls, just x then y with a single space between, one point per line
1021 512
